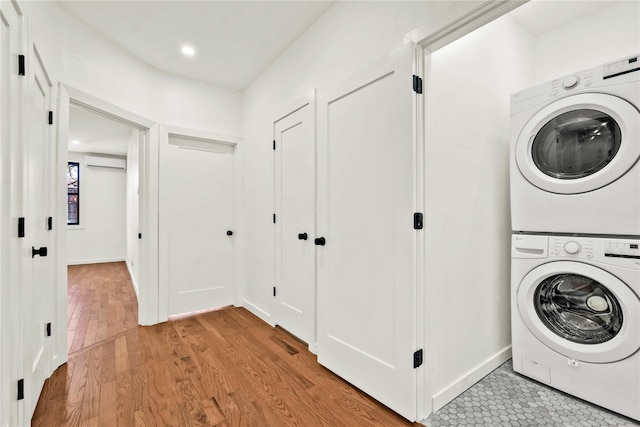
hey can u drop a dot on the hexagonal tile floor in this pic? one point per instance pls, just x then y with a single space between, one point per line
504 398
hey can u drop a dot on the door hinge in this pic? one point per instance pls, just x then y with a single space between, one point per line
21 67
20 227
417 84
274 218
417 359
50 223
50 117
48 329
21 389
274 144
274 291
139 235
418 221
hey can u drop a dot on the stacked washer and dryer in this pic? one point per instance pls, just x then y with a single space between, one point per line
575 212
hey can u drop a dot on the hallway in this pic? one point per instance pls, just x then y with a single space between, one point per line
223 368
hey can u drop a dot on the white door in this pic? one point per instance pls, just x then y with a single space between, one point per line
295 224
38 280
10 210
200 239
366 268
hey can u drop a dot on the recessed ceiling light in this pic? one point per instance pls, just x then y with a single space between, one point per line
188 50
75 142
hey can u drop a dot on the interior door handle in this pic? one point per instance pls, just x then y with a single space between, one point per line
320 241
229 233
42 251
302 236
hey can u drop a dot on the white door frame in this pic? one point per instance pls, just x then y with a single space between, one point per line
430 41
148 280
163 253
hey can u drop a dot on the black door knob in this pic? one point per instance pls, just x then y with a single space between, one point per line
320 241
229 233
302 236
41 251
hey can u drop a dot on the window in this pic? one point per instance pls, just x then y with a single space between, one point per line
73 193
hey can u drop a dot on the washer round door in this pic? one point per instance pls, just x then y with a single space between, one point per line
579 143
580 311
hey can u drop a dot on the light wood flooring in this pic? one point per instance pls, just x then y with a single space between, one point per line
222 368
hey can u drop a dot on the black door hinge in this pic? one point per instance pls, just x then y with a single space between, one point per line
139 235
274 291
20 227
417 359
21 66
274 144
417 84
274 218
50 223
48 329
21 389
50 117
418 221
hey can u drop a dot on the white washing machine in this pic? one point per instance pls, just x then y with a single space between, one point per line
575 150
576 317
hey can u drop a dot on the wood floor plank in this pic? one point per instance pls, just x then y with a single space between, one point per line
224 368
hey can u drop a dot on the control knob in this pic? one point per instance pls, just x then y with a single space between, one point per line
572 248
570 82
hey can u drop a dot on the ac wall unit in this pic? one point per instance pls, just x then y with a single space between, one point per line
106 162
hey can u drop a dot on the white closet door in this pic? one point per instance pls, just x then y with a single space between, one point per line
295 226
366 269
200 213
11 186
38 280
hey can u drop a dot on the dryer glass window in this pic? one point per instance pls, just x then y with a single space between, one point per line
576 144
578 308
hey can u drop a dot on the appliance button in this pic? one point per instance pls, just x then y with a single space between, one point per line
572 248
570 82
589 255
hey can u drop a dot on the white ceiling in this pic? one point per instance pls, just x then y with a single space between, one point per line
97 133
234 40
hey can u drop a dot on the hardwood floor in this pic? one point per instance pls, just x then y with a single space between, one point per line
222 368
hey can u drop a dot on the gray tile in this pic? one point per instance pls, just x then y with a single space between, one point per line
504 398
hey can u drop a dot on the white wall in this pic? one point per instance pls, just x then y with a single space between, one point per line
133 156
611 33
101 235
347 38
467 203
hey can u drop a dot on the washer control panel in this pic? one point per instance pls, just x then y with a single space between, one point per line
580 80
571 246
623 252
621 249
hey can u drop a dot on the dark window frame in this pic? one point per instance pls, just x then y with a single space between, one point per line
73 193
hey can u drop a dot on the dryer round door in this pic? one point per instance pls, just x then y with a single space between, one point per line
579 143
580 311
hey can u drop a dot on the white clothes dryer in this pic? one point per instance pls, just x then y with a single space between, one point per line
575 150
576 316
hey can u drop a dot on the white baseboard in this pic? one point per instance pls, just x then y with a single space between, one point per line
254 309
133 279
94 261
454 389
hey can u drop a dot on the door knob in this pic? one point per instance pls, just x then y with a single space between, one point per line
229 233
320 241
302 236
42 252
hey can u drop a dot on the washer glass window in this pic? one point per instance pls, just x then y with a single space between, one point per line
578 308
576 144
